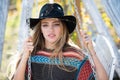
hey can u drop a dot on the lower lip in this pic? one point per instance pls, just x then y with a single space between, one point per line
51 36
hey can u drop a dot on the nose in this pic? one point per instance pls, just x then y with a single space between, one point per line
51 28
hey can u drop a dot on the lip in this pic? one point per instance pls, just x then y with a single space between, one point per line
51 35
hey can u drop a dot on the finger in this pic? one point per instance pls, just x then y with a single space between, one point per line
29 39
30 49
85 36
86 40
82 32
29 43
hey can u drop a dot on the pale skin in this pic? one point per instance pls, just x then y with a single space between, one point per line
51 29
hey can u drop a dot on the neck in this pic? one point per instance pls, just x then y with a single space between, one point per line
49 45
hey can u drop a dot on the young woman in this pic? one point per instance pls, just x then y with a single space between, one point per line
52 58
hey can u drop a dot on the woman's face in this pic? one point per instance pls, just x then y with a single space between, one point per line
51 29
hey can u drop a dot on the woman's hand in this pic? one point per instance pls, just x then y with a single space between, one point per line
27 48
87 42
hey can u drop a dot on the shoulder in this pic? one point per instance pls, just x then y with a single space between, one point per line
75 52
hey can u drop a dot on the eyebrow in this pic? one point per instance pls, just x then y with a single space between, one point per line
56 21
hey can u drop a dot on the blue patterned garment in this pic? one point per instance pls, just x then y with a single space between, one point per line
67 61
45 68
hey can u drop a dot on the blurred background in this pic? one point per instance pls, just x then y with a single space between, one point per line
15 18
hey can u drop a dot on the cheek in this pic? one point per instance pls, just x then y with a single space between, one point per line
59 31
43 31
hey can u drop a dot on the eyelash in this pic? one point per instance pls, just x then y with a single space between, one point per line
57 24
44 25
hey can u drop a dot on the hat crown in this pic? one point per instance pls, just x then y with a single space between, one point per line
54 10
51 11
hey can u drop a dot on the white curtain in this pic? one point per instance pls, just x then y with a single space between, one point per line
112 7
4 4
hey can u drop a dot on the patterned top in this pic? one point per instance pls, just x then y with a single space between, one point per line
45 68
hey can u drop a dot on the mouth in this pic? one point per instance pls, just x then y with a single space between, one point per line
51 35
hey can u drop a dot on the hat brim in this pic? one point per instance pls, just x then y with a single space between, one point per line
69 20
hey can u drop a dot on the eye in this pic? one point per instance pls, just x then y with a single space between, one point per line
44 25
57 24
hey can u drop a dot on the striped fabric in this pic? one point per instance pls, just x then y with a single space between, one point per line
67 61
43 68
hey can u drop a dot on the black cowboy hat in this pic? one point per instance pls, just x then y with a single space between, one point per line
54 10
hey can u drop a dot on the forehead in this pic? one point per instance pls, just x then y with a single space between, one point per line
50 20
